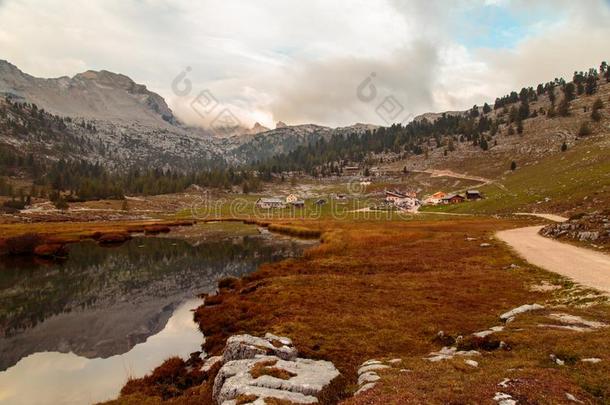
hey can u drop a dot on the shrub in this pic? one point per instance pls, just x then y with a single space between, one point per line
61 204
13 205
156 229
114 237
50 250
266 368
596 116
519 127
564 108
472 342
23 244
166 381
230 283
584 129
578 216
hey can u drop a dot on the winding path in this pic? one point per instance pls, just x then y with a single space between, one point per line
584 266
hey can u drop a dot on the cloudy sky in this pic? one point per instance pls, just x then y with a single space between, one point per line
332 62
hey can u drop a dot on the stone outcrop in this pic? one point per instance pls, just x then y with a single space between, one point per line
304 381
593 228
573 323
510 315
241 347
368 373
447 353
254 369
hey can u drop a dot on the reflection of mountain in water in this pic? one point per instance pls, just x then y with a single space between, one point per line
103 301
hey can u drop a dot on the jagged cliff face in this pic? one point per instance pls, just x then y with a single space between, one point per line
284 139
92 95
133 126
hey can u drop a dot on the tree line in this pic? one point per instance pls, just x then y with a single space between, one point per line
326 157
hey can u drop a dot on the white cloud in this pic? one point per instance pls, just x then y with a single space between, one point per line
302 61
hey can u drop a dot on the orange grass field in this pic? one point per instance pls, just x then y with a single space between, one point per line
383 290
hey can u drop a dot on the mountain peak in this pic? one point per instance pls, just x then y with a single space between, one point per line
99 95
280 124
259 128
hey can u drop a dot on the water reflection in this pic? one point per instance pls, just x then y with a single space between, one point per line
66 325
65 378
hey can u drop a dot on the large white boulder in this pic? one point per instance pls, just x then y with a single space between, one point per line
241 347
520 310
304 383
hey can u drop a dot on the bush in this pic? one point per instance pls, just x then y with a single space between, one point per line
113 237
564 108
584 129
595 114
578 216
167 381
49 250
23 244
14 205
230 283
156 229
61 204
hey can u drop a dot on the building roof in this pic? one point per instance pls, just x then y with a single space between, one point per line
452 196
396 194
271 200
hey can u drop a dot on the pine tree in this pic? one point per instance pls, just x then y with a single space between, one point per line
551 92
591 84
519 127
584 129
564 147
513 166
61 204
569 91
564 107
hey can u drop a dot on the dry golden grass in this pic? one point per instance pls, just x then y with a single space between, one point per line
382 289
267 368
27 238
245 399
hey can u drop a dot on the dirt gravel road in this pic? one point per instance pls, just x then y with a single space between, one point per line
584 266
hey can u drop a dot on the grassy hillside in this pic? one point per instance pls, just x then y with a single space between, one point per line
566 182
376 291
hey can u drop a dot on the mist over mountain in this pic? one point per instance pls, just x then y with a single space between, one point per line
107 118
99 95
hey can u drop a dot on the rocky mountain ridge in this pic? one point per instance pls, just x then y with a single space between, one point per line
133 126
99 95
